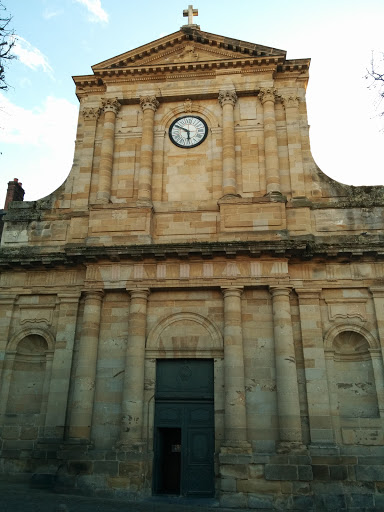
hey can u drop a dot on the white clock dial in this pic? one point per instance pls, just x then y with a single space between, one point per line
188 131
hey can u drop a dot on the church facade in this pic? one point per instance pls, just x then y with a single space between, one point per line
198 310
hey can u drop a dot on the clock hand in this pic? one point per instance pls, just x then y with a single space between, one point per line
182 127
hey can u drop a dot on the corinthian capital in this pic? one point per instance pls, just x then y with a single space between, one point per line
290 101
110 105
90 113
268 94
227 97
149 102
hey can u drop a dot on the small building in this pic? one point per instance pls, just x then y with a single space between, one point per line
198 310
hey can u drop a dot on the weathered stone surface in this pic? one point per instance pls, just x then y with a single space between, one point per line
238 471
370 473
258 486
281 472
80 467
235 500
305 472
106 467
228 484
259 502
321 472
306 503
338 472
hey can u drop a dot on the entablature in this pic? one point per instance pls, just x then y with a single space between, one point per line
346 249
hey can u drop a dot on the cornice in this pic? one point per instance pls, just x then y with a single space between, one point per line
189 34
303 249
177 67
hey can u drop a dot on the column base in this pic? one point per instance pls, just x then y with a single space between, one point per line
301 201
102 200
236 447
276 197
144 203
324 449
229 197
135 446
297 447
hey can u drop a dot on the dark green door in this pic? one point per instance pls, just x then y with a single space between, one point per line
184 428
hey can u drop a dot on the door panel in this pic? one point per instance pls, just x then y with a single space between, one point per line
194 419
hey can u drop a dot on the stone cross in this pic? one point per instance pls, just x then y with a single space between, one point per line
190 12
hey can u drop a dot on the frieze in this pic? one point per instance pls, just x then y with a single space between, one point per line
201 272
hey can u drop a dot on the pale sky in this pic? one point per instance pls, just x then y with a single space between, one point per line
61 38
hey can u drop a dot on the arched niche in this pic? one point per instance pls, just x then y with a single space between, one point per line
353 374
28 352
187 334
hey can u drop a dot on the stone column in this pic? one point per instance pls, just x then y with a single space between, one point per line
320 422
267 98
288 405
47 380
82 184
378 300
291 105
6 377
85 379
133 390
110 108
149 105
227 100
61 366
378 371
235 407
7 302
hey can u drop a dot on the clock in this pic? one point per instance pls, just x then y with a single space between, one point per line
188 131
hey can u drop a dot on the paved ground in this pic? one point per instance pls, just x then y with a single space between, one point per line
21 498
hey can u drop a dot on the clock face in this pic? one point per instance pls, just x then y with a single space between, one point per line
188 131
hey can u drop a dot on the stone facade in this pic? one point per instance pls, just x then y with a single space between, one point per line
239 250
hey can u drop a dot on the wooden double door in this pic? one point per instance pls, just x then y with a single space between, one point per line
184 428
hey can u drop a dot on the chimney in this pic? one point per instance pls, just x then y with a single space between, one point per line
15 192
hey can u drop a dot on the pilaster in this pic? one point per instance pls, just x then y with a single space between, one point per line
82 184
110 108
149 105
227 100
234 394
133 390
55 419
291 105
288 405
85 379
268 97
320 422
7 302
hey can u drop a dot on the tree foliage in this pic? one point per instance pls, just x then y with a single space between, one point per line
375 75
7 42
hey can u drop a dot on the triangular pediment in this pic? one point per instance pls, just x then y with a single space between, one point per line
189 46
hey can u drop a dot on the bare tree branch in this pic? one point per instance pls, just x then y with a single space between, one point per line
375 75
7 42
